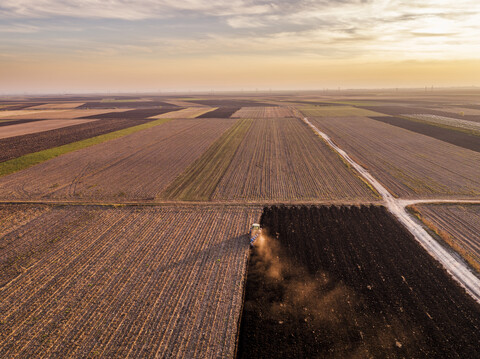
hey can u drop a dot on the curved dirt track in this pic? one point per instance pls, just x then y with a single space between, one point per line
456 268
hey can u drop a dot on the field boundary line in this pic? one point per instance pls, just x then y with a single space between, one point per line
32 159
210 167
457 269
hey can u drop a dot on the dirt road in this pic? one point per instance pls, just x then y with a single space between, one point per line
456 267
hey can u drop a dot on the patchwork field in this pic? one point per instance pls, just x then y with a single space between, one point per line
126 234
282 159
54 114
457 134
38 126
264 112
457 225
190 112
409 164
201 178
130 282
222 112
57 106
14 147
109 171
350 282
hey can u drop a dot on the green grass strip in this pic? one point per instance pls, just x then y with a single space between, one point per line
201 178
20 163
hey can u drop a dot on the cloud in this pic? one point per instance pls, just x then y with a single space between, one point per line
403 29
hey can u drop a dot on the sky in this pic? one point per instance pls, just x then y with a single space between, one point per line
56 46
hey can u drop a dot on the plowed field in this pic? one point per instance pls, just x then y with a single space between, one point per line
126 282
38 126
54 114
137 166
409 164
222 112
282 159
350 282
14 147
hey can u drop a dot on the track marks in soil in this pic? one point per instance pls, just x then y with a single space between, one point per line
410 165
281 159
352 283
130 282
199 181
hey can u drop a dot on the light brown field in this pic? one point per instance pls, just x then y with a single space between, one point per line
134 167
190 112
38 126
57 106
60 114
263 112
131 282
336 111
54 114
409 164
457 225
20 114
282 159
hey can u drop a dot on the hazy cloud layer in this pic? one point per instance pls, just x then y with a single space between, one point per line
388 29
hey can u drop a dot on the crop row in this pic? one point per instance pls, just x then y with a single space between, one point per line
137 166
14 147
263 112
201 178
456 225
408 164
129 282
282 159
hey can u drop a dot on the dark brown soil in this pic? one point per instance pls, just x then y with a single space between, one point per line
127 104
22 106
454 137
134 114
17 122
17 146
351 282
222 112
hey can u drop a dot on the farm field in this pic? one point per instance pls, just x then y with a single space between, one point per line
264 112
457 225
38 126
109 171
221 112
336 111
14 147
126 103
410 165
449 122
127 235
131 282
54 114
190 112
57 106
282 160
132 114
200 179
229 102
350 282
458 135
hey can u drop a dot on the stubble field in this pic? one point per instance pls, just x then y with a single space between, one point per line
123 282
